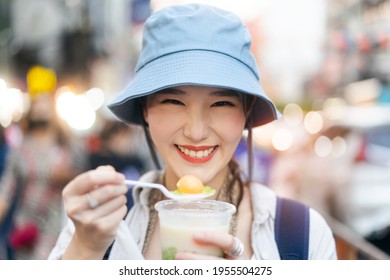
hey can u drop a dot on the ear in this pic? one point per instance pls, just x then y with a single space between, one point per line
145 114
143 109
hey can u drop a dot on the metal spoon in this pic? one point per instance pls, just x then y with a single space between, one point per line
167 193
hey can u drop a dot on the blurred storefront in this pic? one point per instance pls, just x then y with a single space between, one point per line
345 166
359 33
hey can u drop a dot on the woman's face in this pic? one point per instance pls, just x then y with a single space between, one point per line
196 129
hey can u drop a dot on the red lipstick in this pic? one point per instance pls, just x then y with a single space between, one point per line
197 148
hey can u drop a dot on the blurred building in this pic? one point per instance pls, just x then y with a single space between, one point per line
67 36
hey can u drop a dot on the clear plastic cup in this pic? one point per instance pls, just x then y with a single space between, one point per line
180 220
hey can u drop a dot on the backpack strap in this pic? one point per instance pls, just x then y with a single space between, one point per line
292 229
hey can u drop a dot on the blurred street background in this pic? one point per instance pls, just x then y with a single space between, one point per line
326 64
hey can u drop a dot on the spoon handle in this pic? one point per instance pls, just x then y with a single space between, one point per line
133 182
145 184
167 193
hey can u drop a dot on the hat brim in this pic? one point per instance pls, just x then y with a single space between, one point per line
193 67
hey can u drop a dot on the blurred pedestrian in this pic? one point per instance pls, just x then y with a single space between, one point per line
4 225
3 149
115 140
36 171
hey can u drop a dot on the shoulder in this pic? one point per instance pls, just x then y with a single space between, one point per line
263 201
321 240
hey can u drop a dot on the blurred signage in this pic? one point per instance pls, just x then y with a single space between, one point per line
366 91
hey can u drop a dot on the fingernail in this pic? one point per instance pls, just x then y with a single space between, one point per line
180 256
121 176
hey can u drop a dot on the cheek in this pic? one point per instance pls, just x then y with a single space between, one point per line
159 115
231 126
161 126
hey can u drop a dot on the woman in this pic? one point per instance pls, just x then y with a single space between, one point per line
195 90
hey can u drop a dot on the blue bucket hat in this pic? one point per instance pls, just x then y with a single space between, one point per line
194 44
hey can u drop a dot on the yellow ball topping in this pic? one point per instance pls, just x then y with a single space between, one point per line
190 184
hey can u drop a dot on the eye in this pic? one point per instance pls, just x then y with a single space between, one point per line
172 101
223 104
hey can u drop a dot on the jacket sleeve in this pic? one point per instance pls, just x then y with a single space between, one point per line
322 245
62 242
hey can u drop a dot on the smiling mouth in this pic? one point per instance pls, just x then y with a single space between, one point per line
197 154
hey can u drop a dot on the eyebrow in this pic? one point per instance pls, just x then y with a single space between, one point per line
222 92
227 92
170 91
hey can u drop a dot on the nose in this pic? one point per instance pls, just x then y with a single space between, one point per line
196 125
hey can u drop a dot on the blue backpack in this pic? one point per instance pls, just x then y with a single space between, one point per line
292 224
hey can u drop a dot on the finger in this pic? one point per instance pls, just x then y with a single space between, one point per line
87 181
79 203
231 245
106 167
93 218
108 207
221 240
110 222
107 192
191 256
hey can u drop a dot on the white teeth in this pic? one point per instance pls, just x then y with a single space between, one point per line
196 154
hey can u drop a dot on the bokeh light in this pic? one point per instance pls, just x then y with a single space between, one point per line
65 103
334 108
83 116
293 114
11 104
282 139
313 122
339 146
76 110
262 135
95 98
323 146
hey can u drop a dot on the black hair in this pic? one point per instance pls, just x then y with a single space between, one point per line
145 127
